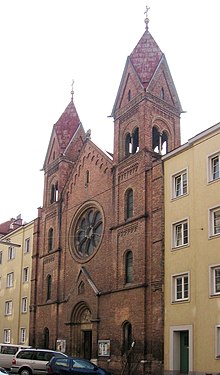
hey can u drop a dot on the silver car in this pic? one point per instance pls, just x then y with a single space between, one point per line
33 361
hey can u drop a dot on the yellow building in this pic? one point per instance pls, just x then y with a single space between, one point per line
192 256
15 284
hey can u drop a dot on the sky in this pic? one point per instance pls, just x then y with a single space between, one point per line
45 44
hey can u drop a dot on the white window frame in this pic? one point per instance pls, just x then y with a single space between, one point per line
214 221
22 335
7 336
11 252
10 280
8 307
25 277
178 230
214 170
27 244
180 287
214 280
181 179
24 305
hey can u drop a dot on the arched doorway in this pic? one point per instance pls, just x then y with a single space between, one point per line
81 331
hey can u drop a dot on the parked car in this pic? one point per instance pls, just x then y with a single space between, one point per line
33 361
73 366
3 371
7 352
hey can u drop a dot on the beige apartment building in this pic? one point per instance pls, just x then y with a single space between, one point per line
192 255
15 275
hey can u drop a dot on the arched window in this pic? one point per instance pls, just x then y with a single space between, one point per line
135 141
129 204
127 144
129 267
50 239
46 338
49 287
159 141
162 93
132 142
54 193
129 95
127 337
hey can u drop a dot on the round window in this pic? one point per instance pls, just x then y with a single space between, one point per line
87 232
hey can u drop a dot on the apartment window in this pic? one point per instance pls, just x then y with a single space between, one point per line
27 245
25 274
8 307
7 336
11 252
214 275
10 280
0 257
214 167
180 234
24 305
22 335
180 184
215 221
180 287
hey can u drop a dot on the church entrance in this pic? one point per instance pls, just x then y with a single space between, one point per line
81 332
87 344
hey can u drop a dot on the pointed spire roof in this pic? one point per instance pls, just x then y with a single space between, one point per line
67 125
145 57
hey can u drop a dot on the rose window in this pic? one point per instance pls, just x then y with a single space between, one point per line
88 232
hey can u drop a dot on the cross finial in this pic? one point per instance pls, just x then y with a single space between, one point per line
146 18
72 92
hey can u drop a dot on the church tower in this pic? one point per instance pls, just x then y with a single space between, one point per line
97 282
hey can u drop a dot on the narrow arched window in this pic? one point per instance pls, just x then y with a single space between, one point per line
54 193
129 267
46 338
129 95
127 337
129 204
50 239
128 144
49 287
135 141
162 93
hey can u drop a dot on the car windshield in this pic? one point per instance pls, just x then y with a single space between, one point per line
80 363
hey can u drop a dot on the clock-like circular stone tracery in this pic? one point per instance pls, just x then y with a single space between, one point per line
88 232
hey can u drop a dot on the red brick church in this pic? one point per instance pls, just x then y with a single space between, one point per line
97 282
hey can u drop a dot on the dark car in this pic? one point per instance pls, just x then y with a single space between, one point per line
73 366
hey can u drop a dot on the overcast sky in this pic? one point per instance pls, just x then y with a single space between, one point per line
47 43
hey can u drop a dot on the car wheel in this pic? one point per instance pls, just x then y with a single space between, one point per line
25 371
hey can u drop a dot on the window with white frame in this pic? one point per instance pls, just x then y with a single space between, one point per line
10 280
179 184
214 275
180 233
24 305
27 246
11 252
180 287
7 336
0 257
215 221
22 335
214 167
25 274
8 307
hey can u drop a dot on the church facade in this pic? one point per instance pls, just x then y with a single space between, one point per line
98 257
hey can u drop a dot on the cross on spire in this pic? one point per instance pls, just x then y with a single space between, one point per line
146 18
72 92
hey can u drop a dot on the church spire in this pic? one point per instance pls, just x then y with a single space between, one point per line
146 18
